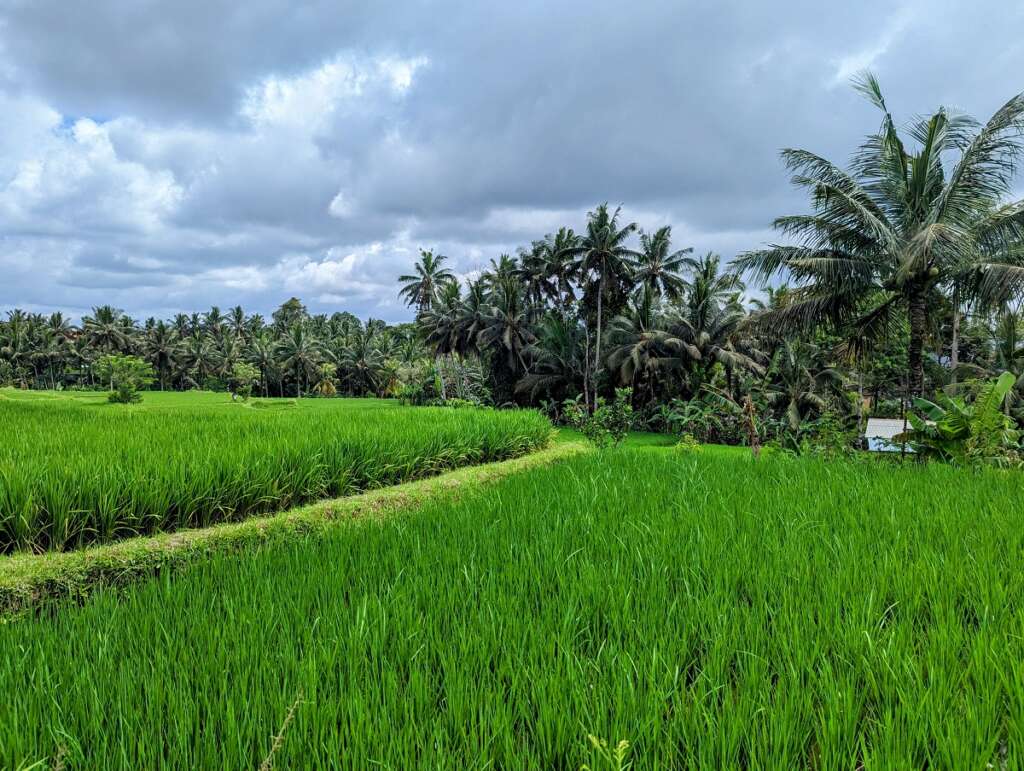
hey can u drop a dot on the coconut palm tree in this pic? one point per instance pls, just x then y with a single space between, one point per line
228 352
105 329
161 349
200 357
300 352
506 327
706 325
658 269
800 382
556 254
901 225
604 263
262 353
362 363
214 321
641 348
238 323
471 317
502 274
440 321
423 286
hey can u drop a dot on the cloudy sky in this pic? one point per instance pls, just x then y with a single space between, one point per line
167 156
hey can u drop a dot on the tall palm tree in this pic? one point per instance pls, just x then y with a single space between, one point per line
200 357
440 321
556 359
214 321
534 272
471 317
362 363
182 325
228 353
14 341
502 275
161 349
658 268
421 288
705 327
300 353
262 354
506 327
886 236
604 262
105 330
238 323
641 347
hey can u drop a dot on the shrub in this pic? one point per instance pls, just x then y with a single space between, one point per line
126 376
688 444
243 378
608 424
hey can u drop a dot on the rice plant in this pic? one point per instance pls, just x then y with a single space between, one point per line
74 472
695 610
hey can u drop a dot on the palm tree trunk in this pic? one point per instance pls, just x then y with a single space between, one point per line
918 317
954 348
586 364
440 376
597 343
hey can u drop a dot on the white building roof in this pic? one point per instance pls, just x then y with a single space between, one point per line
885 428
881 434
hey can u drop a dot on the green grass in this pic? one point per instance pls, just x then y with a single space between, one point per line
714 611
76 470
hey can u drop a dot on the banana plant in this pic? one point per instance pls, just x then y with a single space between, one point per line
963 433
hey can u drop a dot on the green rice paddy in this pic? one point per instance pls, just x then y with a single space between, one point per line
714 611
76 470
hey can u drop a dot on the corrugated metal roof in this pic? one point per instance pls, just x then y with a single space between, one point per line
885 428
881 433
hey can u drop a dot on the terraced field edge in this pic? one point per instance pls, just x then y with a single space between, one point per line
30 582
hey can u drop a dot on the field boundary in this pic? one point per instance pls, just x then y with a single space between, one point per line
29 581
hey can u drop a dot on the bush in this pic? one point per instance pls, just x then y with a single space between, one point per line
126 376
828 437
243 378
608 424
688 444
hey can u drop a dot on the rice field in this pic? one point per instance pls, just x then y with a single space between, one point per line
76 470
712 611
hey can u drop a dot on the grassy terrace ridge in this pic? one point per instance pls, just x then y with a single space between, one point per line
30 581
715 611
76 470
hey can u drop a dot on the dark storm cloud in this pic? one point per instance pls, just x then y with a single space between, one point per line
177 155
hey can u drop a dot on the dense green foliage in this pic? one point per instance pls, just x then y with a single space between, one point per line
213 351
126 376
79 470
967 433
904 229
714 611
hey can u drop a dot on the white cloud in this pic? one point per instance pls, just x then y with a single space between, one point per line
883 39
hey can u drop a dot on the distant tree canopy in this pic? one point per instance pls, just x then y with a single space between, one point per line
905 277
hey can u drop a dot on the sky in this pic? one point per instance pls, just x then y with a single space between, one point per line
165 157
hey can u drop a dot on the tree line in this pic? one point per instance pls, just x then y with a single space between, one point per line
903 277
294 353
